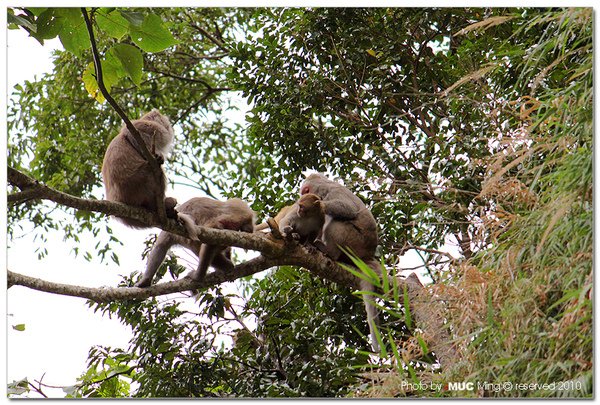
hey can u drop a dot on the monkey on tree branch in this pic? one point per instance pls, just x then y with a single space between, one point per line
328 216
274 252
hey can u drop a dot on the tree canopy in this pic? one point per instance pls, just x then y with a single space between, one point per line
470 127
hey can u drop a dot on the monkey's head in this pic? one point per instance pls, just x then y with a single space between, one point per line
160 119
314 184
308 204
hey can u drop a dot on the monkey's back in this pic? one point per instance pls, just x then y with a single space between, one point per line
127 176
232 214
359 233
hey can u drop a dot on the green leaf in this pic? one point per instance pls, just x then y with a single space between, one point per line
20 327
113 23
407 315
423 344
18 387
112 71
22 21
135 18
131 60
73 35
152 36
396 353
37 10
49 24
91 85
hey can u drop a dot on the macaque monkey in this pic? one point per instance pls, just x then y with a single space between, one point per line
302 220
305 220
349 224
127 176
232 214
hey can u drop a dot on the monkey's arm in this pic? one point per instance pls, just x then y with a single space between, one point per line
341 208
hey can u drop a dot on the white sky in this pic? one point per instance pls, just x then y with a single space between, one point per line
59 330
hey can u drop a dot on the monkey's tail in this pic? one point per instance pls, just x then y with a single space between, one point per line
371 309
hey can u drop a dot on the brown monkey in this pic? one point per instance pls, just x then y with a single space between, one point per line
348 224
232 214
302 220
305 219
127 176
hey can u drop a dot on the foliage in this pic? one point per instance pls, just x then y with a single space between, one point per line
469 126
304 343
357 92
537 278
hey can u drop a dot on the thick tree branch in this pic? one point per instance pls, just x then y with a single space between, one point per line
274 253
138 142
34 190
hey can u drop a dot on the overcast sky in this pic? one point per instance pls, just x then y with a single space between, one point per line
59 330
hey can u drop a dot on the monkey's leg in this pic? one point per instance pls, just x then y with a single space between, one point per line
222 261
207 254
332 234
155 258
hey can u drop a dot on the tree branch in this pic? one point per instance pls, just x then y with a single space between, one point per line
138 142
210 37
34 190
274 253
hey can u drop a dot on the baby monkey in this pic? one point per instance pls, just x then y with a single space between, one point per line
305 220
302 220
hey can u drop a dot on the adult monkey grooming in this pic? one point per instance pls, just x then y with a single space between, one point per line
127 176
349 224
232 214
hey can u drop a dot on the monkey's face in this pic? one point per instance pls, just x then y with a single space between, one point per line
306 208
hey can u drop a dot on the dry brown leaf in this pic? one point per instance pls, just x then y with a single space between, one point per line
485 24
